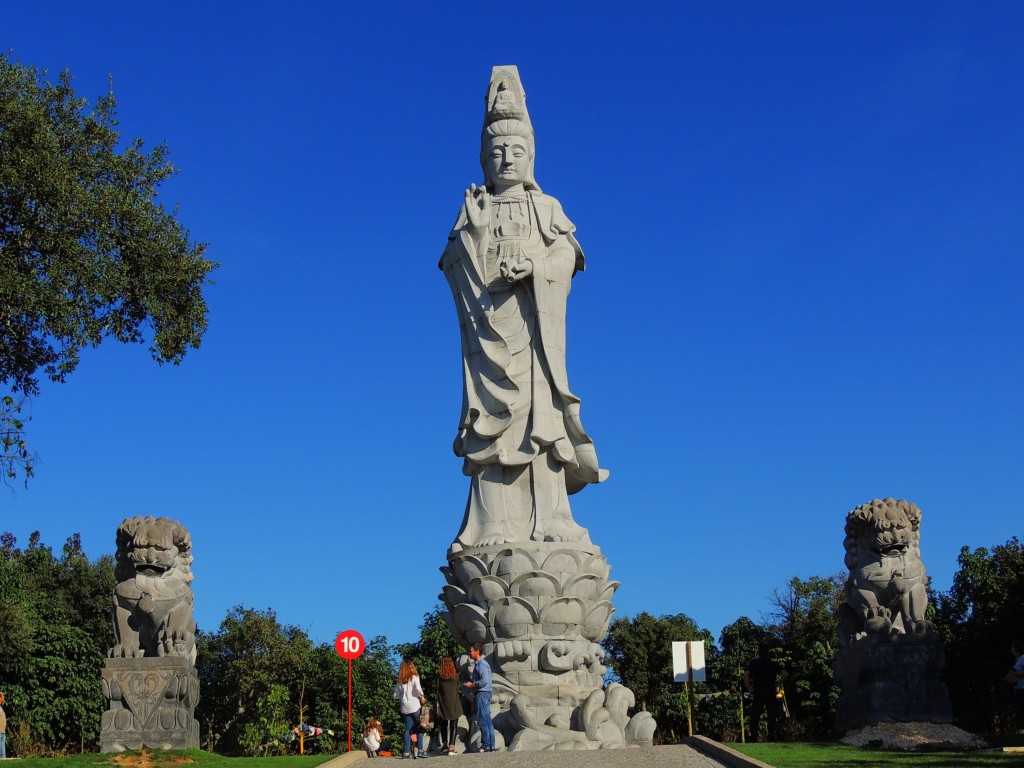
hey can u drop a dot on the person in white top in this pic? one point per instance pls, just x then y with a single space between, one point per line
372 737
410 697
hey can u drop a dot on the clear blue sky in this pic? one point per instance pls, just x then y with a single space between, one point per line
803 224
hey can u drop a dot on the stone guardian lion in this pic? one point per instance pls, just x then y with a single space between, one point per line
886 589
152 598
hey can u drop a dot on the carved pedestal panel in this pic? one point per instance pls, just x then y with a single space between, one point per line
151 702
891 678
540 611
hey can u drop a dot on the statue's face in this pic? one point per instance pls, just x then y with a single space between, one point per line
507 160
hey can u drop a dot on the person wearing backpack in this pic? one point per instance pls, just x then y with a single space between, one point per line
410 697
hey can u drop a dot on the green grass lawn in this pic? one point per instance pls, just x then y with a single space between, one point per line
175 758
832 755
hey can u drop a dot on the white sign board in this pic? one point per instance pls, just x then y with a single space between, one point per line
680 669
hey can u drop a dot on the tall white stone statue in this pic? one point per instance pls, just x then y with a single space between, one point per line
524 579
510 261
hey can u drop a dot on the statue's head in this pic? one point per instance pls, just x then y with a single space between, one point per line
507 146
507 153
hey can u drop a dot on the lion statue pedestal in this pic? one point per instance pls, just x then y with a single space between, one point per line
150 681
151 701
887 679
889 656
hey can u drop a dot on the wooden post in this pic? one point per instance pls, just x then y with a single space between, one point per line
743 727
302 718
689 687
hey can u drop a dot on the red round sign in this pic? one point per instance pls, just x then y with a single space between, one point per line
350 644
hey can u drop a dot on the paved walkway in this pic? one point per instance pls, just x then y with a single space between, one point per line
675 756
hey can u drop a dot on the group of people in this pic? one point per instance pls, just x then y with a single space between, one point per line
466 691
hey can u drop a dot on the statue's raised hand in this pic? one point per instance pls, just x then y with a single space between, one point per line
478 209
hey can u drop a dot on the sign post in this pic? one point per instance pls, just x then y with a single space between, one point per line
688 667
350 645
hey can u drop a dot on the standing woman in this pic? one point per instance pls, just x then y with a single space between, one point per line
449 706
409 694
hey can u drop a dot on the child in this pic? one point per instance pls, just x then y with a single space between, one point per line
373 735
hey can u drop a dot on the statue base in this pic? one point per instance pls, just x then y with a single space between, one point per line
540 611
891 679
151 701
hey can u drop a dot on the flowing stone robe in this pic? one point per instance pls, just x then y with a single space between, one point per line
520 434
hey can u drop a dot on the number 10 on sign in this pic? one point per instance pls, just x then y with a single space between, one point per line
350 645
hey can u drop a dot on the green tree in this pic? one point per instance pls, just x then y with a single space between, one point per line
640 656
253 671
435 642
54 635
978 618
239 667
373 680
739 642
804 622
86 251
15 456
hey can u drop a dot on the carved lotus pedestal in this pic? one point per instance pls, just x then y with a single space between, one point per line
891 678
540 611
151 701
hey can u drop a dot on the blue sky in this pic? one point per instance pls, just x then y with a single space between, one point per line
803 227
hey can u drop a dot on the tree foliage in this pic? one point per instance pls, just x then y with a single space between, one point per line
54 634
243 668
15 456
979 617
804 621
435 642
738 642
640 656
254 671
86 251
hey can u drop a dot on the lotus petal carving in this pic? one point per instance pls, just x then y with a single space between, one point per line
467 568
487 589
596 565
585 586
541 610
595 624
564 561
513 617
472 622
561 616
452 595
609 590
536 584
510 563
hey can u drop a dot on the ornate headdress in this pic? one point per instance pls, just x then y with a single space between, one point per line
506 106
506 99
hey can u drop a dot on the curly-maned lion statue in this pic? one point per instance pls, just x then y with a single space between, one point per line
152 599
885 591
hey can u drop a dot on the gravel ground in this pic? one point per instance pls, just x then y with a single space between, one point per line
913 736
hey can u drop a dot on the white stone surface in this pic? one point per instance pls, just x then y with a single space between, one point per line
523 578
509 262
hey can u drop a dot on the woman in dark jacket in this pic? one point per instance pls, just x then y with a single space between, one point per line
449 706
